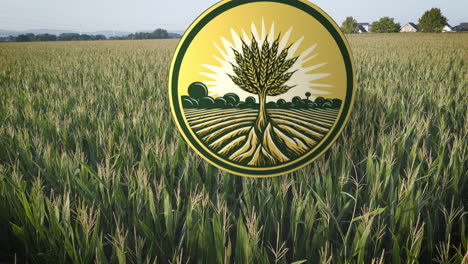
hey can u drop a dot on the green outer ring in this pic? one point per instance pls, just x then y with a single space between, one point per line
309 157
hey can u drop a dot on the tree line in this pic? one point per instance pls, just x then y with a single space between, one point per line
432 21
156 34
198 98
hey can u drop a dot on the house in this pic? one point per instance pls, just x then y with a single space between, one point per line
448 28
364 27
463 27
410 27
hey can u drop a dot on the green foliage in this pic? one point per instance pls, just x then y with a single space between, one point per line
272 105
156 34
432 21
62 37
296 99
281 102
385 25
232 98
50 37
197 90
250 100
350 26
257 71
220 103
92 168
187 103
198 98
207 102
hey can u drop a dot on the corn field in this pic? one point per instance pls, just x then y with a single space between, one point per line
93 169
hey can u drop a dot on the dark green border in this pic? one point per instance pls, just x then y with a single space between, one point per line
341 121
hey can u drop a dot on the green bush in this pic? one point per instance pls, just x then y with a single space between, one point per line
220 102
232 98
197 90
320 101
281 103
207 102
271 105
296 100
336 103
250 101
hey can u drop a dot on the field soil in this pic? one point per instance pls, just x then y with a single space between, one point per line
289 135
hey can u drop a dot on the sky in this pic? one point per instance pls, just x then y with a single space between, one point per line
177 15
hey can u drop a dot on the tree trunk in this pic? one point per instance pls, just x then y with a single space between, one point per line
262 118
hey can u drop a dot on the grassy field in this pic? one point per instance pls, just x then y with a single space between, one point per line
93 169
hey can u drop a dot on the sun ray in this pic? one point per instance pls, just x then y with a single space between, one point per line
314 67
317 76
221 61
271 35
220 50
263 31
294 47
254 32
310 58
308 51
209 75
245 37
285 40
237 40
320 85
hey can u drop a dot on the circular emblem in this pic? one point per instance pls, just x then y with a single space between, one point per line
262 88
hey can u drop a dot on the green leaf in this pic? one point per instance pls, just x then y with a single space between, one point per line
373 213
19 233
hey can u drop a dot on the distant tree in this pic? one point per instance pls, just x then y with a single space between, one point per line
69 36
432 21
385 25
160 34
31 36
9 38
308 95
85 37
50 37
45 37
350 25
100 37
25 38
156 34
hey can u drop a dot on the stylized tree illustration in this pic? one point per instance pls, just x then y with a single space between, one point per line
264 73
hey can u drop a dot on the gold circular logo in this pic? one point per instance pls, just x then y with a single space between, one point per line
262 88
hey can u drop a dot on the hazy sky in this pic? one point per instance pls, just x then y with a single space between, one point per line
126 15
